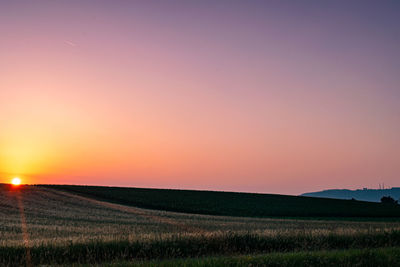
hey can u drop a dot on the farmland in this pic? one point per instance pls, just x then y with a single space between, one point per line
234 204
54 225
354 257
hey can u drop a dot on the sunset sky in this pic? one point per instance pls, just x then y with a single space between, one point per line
256 96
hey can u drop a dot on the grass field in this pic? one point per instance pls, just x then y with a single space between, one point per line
382 257
47 225
235 204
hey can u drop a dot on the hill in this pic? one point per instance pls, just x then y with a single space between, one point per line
233 204
373 195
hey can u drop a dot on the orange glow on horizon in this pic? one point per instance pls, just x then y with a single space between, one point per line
257 98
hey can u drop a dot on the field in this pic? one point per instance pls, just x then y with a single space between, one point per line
234 204
57 225
386 257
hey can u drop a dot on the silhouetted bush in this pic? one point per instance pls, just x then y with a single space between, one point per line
389 200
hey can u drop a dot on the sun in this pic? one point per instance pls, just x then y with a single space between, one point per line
16 181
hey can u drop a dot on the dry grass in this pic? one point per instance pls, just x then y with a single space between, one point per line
58 218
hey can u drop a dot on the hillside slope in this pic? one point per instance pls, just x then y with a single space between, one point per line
373 195
234 204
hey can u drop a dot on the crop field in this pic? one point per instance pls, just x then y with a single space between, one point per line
234 204
52 225
382 257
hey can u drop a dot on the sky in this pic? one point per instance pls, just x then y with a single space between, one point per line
253 96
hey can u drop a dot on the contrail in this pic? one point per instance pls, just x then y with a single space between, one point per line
70 43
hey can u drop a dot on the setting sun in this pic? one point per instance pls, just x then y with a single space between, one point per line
16 181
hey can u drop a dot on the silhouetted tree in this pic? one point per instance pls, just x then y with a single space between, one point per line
389 200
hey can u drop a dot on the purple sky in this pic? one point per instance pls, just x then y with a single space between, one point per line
261 96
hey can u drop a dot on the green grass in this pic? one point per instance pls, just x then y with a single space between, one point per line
235 204
382 257
191 247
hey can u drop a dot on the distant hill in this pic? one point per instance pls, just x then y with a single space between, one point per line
373 195
233 204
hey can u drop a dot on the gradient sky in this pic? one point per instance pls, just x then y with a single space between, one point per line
258 96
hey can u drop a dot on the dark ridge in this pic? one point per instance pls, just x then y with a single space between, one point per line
234 204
